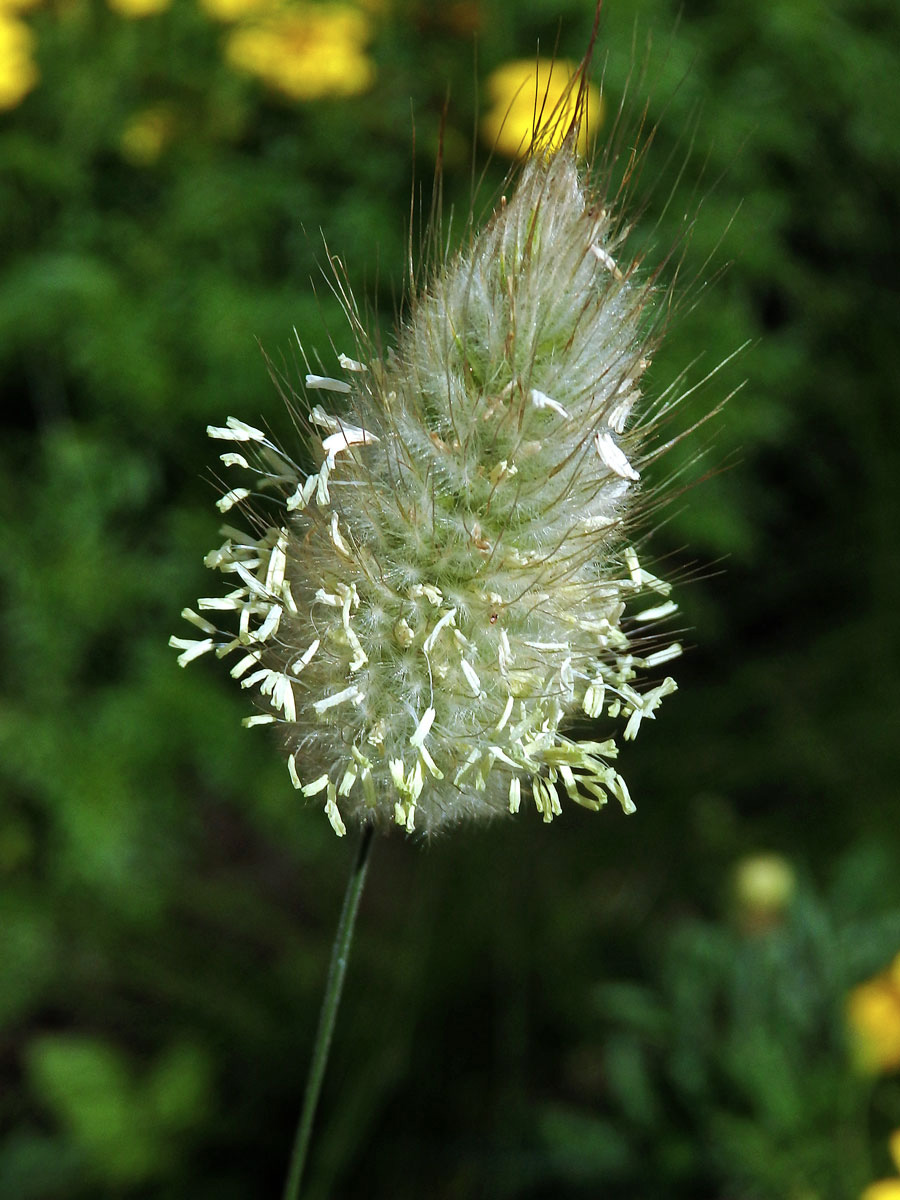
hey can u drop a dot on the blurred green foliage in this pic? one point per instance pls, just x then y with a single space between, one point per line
530 1013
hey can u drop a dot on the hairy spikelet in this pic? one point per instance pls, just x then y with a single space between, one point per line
427 614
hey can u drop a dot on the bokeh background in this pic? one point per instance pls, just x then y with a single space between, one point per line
696 1001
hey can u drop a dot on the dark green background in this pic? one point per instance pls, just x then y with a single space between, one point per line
571 1011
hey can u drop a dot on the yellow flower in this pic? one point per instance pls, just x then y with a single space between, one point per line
147 134
764 885
525 94
136 9
18 74
308 52
883 1189
873 1013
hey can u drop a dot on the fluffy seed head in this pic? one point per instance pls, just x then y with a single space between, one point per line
427 614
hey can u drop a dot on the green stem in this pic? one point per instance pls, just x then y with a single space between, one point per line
337 969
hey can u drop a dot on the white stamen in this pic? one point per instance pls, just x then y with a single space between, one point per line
270 624
350 364
501 724
349 695
607 259
231 602
343 439
283 697
322 497
542 400
242 541
593 699
423 728
498 754
619 413
471 677
301 496
621 789
328 598
235 496
663 656
656 613
288 597
634 567
277 563
333 814
192 649
395 766
239 668
254 585
319 416
195 619
237 431
448 618
432 594
646 706
228 648
641 577
360 658
292 771
305 658
504 653
613 456
415 781
326 384
336 539
430 763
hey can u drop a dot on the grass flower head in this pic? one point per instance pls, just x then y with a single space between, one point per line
428 615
